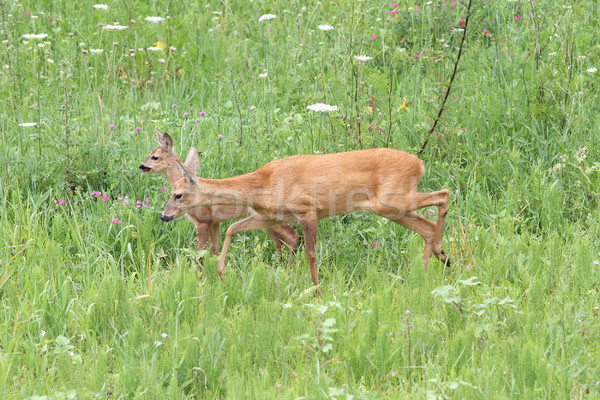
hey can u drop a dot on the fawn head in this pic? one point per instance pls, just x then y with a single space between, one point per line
161 158
183 194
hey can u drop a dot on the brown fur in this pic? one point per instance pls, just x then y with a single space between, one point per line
306 189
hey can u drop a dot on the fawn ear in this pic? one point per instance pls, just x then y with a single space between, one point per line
164 140
191 178
159 136
192 160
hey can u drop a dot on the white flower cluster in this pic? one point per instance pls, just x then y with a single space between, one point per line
321 107
101 6
362 58
154 19
35 36
114 27
325 27
266 17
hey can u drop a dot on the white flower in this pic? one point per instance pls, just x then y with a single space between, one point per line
263 75
154 19
164 335
101 6
28 124
154 48
50 61
43 333
96 51
325 27
114 27
591 70
362 58
320 107
158 343
35 36
266 17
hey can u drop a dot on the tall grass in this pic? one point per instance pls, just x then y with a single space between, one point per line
95 308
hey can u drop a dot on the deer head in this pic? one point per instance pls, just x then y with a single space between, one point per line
161 158
185 190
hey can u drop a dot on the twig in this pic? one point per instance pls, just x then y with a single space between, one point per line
460 50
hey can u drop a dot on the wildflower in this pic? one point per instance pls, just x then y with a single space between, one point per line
517 17
375 244
417 55
373 36
43 333
185 115
154 19
138 204
321 107
96 51
407 312
157 343
116 221
461 22
61 202
591 70
392 12
197 120
50 61
395 5
404 105
220 136
26 14
114 27
172 48
154 48
100 6
173 105
111 126
161 60
325 27
202 113
96 193
35 36
362 58
28 124
581 154
104 198
84 51
263 75
164 335
266 17
557 166
486 33
137 129
162 189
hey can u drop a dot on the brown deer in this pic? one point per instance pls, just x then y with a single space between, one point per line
207 219
307 188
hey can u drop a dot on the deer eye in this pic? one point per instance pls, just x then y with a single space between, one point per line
178 196
154 158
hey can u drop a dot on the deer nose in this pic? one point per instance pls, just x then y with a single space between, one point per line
142 166
166 218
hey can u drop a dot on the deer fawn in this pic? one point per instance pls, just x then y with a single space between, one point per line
306 189
207 219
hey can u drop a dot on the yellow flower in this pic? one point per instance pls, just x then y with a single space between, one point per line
160 44
404 105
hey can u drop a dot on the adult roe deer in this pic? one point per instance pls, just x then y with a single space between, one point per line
307 188
207 219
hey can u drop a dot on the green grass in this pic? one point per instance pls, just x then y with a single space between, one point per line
96 309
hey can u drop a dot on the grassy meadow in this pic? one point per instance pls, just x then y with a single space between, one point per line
100 299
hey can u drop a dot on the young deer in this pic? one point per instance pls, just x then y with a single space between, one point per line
207 219
306 189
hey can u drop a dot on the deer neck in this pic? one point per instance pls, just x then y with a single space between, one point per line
173 175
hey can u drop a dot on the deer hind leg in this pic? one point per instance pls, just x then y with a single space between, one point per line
284 234
251 223
439 199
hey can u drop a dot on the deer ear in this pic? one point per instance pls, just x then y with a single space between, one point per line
192 160
159 136
186 174
167 142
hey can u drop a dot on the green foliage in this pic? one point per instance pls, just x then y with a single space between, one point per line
101 299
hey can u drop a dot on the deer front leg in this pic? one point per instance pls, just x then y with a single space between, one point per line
310 228
251 223
214 237
202 232
284 234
